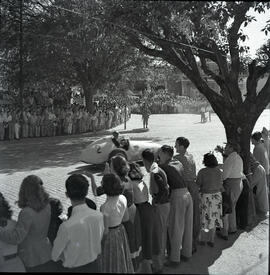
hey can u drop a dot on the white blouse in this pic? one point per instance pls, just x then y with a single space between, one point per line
113 209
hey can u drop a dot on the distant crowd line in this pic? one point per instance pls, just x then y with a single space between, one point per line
49 121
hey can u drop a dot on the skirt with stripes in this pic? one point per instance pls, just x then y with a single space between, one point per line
116 256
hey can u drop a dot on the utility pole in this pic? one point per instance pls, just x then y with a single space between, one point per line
125 122
21 54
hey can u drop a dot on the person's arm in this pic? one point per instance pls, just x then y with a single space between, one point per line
227 168
17 234
199 179
97 191
60 243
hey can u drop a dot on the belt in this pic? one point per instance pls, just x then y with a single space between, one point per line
11 256
112 227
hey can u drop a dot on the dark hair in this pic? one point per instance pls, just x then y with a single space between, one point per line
32 193
148 155
135 172
5 209
56 207
183 141
117 152
209 160
112 185
77 187
120 166
167 149
257 136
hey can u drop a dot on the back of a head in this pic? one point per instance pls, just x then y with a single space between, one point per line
148 155
112 185
120 165
167 149
209 160
32 193
257 136
77 187
183 141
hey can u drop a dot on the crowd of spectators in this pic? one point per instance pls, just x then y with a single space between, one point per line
44 119
162 102
130 232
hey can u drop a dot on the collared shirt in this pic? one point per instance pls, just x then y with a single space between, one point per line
233 167
78 240
174 172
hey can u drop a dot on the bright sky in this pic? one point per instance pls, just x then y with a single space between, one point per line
256 37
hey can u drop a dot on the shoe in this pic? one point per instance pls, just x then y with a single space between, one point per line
232 232
222 237
211 244
172 264
201 243
184 258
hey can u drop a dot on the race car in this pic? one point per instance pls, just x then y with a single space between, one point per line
98 151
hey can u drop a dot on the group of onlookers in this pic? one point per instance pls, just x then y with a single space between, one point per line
131 233
52 121
162 102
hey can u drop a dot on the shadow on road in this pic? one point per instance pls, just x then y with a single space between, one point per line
204 257
36 153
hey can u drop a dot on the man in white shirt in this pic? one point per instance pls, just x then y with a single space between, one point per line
78 241
232 180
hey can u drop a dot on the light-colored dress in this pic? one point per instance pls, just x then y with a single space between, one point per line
116 256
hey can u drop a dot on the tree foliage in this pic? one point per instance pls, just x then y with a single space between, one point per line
190 35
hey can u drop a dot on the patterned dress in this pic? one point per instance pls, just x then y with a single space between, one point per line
209 181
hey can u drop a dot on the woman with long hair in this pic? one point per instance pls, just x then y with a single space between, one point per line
30 232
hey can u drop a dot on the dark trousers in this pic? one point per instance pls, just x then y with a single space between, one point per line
92 267
47 267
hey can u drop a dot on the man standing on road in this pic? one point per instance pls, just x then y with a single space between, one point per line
181 208
145 115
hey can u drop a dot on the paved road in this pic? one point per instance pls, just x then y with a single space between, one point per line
54 159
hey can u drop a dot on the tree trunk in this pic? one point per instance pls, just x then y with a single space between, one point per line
240 131
88 93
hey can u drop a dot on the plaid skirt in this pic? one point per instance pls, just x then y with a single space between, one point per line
116 257
211 210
